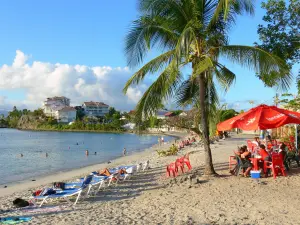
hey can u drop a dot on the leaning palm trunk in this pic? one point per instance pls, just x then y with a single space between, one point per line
209 168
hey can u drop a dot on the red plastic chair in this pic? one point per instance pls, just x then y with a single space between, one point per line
276 165
232 161
186 161
179 164
171 168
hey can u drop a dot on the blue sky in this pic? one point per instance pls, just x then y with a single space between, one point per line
92 33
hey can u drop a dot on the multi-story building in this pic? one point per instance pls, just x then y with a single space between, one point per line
95 108
52 105
66 115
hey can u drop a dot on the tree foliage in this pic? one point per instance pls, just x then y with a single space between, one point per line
192 34
280 34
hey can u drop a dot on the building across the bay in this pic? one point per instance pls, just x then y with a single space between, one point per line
60 109
66 115
98 109
53 104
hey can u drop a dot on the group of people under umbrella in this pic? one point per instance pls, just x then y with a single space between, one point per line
262 117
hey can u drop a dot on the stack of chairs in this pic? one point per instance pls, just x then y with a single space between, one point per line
180 163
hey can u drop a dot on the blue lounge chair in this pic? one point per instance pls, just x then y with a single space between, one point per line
65 194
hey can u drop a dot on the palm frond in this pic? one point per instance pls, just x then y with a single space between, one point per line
260 61
145 33
163 7
187 93
228 9
185 41
204 64
162 89
153 66
224 76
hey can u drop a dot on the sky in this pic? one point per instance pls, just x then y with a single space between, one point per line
76 48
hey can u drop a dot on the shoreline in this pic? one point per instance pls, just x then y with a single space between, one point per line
167 133
72 174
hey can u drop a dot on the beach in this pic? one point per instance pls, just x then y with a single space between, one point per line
152 198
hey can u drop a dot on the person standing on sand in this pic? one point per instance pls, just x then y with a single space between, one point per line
124 151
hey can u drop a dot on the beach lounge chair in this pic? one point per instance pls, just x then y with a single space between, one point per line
96 181
146 165
65 194
139 167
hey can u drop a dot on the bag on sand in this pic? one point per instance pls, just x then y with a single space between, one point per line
19 203
59 185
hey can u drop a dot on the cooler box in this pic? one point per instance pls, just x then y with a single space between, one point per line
255 174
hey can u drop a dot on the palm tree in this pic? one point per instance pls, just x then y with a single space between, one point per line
192 34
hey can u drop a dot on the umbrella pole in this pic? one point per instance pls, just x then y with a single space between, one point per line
296 136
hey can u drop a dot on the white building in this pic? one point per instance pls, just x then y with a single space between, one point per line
66 115
95 108
52 105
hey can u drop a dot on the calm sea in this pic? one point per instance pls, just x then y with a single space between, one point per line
66 150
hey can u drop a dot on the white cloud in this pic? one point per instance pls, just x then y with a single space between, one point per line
78 82
2 100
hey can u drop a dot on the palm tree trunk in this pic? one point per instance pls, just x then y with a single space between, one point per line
209 167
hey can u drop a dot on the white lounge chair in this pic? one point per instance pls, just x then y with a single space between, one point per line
146 165
65 194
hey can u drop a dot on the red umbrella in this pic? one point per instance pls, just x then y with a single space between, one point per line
261 117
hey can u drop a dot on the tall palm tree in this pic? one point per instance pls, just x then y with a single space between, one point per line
192 34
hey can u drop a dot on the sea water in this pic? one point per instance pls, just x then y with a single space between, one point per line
65 150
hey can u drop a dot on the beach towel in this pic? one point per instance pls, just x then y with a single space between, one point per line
14 220
44 209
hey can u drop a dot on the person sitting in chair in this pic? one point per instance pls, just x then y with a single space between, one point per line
245 161
283 155
264 154
256 141
246 155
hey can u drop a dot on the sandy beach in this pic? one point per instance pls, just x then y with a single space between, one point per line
152 198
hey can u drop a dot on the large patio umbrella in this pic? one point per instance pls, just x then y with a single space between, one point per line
261 117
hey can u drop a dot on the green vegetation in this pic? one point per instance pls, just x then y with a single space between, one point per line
172 151
280 33
81 126
36 120
193 35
